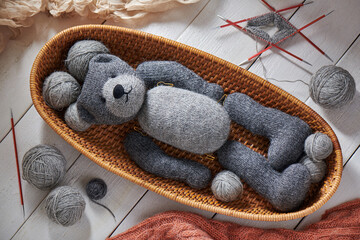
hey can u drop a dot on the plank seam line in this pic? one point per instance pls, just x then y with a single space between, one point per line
123 219
192 20
9 131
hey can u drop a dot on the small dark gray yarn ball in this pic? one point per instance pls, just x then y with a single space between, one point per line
79 56
43 166
60 89
318 146
96 189
332 87
317 169
65 205
226 186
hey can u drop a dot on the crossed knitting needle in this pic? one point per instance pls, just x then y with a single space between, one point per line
270 44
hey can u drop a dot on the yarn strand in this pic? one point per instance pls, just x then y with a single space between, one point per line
102 205
265 71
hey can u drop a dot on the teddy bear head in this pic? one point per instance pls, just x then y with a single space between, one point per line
112 93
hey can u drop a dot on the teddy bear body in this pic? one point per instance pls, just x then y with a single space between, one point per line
186 120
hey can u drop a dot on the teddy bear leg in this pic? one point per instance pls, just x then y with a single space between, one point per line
286 133
284 190
148 156
153 72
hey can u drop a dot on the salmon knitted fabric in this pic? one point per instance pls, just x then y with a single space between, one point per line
341 222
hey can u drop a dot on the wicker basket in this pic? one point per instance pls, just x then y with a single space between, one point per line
103 144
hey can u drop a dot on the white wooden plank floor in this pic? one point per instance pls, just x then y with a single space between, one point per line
337 35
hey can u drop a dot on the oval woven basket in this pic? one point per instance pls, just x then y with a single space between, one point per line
103 144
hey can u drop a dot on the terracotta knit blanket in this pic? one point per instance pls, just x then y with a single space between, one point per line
341 222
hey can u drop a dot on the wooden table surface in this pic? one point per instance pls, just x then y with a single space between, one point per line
194 25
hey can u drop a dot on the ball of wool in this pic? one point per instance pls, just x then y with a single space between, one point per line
318 146
96 189
332 87
65 205
60 89
43 166
79 56
226 186
317 169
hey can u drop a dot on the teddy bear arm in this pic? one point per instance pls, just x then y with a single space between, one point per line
170 72
149 157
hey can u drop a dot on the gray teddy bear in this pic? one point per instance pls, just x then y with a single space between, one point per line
188 116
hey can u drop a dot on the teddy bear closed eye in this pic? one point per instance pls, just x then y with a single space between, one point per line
188 116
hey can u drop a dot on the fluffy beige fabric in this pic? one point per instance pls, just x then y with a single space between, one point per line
17 13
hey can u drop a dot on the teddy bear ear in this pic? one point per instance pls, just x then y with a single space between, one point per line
110 64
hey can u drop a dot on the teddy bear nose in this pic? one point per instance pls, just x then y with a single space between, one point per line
118 91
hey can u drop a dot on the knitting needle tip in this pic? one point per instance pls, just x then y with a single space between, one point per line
244 62
327 56
11 113
307 62
308 3
222 18
329 13
23 210
215 28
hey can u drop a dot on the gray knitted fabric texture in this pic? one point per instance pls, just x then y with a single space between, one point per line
152 159
153 72
184 119
255 27
286 133
285 191
91 103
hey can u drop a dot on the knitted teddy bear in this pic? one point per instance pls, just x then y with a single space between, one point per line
188 116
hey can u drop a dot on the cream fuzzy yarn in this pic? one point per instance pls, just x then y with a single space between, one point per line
15 14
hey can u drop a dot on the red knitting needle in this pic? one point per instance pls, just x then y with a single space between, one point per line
244 30
297 31
281 10
306 38
17 162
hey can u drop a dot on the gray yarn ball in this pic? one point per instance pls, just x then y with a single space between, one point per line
318 146
43 166
332 87
73 119
65 205
79 56
60 89
317 169
226 186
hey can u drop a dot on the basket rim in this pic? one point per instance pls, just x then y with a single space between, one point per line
251 216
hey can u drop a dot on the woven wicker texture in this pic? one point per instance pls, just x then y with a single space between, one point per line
103 144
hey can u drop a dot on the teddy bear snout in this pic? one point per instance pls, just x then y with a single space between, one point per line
118 91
